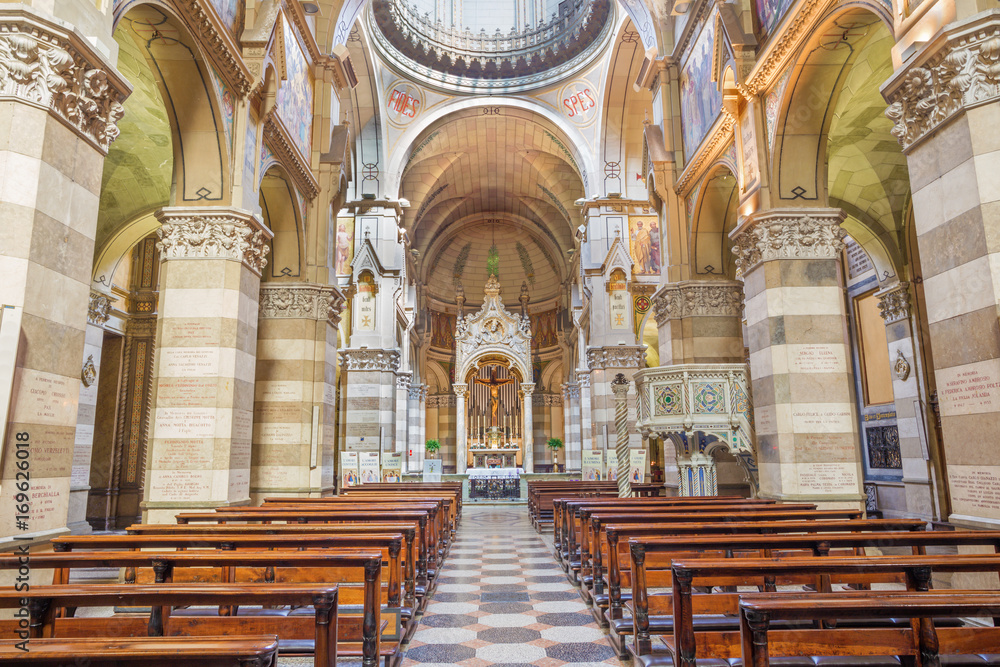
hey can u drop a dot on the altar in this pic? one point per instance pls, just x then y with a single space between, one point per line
494 449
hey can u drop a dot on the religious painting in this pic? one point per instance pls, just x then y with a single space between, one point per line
367 289
769 14
442 330
294 99
644 244
544 329
620 306
344 246
701 100
229 12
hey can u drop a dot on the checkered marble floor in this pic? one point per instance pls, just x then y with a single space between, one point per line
503 600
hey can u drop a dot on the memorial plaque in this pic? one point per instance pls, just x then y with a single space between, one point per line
191 333
970 389
178 454
818 358
828 478
242 425
275 391
821 418
858 262
239 454
189 362
975 490
279 434
239 484
45 398
184 423
183 392
180 485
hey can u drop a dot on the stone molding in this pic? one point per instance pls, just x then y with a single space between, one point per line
442 401
370 360
698 299
301 302
297 165
958 69
615 356
546 400
99 309
54 68
894 302
222 47
806 233
212 233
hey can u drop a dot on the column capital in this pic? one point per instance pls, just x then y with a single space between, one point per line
957 69
99 309
571 390
583 379
370 360
188 232
894 302
619 386
460 389
528 388
791 233
403 379
301 301
698 298
53 67
616 356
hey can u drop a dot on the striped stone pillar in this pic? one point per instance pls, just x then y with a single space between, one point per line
952 157
528 443
605 363
571 417
587 440
700 321
619 387
295 391
803 388
370 388
461 434
413 444
203 375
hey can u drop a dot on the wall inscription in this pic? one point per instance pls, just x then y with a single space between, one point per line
969 389
975 490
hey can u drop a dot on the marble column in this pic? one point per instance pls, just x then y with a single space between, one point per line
295 390
200 444
697 475
422 415
461 444
605 363
571 415
914 448
587 440
528 442
413 443
370 388
803 388
403 415
953 157
60 105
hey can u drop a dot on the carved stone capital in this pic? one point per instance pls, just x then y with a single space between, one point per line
460 389
99 309
808 233
958 69
616 356
619 386
302 301
527 388
415 392
698 299
894 302
403 380
583 379
212 233
51 67
571 390
370 360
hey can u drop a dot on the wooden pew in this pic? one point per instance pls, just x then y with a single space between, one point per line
357 571
414 552
683 549
542 493
45 602
611 560
145 652
922 640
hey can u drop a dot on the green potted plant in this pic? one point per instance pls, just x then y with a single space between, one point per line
431 447
554 445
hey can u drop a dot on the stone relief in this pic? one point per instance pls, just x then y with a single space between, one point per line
186 234
615 356
902 366
99 309
89 373
43 66
894 303
571 390
492 329
318 303
789 235
963 72
370 360
691 299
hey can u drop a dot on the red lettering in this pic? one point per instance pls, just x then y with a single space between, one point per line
392 99
586 91
569 108
414 107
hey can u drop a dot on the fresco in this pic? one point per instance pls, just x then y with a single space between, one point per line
701 100
644 242
544 329
771 104
229 12
294 100
345 246
227 103
442 330
769 14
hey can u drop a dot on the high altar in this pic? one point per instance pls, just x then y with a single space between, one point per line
493 366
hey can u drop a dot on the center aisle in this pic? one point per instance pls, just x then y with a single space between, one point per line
503 600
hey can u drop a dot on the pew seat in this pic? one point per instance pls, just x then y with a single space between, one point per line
218 651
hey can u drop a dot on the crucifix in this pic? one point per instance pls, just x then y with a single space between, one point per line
494 383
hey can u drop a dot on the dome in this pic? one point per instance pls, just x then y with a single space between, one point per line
477 46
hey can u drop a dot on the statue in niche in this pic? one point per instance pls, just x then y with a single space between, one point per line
494 383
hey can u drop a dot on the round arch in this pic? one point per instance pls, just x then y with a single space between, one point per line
715 215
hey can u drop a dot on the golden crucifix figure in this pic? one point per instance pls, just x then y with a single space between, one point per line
494 383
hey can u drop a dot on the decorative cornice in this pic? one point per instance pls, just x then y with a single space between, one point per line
46 65
782 46
220 44
806 233
546 400
894 302
288 155
99 309
442 401
212 233
615 356
698 299
719 137
370 360
960 68
301 302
